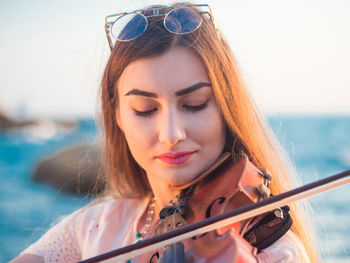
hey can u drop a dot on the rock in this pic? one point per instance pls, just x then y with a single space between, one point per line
7 123
75 169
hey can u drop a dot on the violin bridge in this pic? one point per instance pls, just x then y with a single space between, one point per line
170 223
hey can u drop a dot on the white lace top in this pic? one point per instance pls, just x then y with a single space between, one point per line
111 224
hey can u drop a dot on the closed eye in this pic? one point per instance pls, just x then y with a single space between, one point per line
196 108
191 108
147 113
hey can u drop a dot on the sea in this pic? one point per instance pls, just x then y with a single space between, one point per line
319 146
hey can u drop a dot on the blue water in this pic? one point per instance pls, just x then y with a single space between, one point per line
318 145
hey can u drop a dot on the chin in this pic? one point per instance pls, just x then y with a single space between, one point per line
182 177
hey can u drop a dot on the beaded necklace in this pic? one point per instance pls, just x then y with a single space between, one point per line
149 219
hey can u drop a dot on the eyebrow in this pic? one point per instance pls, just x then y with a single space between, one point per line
192 88
177 93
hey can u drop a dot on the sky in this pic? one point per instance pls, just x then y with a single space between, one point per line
294 56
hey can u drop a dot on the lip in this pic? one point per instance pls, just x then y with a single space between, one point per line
175 158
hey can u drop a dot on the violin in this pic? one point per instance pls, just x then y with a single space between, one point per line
221 228
227 185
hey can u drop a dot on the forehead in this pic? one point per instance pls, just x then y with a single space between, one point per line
177 68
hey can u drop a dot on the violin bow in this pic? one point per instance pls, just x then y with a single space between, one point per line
218 221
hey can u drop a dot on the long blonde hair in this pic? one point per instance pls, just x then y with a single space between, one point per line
246 129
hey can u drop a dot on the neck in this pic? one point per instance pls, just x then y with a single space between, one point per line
163 193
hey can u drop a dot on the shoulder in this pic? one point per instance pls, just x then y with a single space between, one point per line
76 233
102 209
99 214
287 249
108 209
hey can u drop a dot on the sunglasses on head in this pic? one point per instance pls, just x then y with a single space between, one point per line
180 19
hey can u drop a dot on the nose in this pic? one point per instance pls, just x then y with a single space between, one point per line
171 128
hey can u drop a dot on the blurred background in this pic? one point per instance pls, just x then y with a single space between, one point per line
294 58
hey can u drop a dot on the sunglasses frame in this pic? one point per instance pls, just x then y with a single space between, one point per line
111 19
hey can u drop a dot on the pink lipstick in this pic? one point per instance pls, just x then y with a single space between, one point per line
175 158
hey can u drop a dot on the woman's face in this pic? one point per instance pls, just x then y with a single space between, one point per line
169 116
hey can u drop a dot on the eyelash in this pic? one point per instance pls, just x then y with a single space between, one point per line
145 113
192 109
197 107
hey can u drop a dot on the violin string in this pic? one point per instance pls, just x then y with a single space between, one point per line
247 223
173 216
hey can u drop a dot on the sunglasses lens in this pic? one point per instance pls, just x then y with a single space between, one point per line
182 21
129 27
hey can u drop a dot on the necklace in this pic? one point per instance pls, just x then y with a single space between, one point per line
149 218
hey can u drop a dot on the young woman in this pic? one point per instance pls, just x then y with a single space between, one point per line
172 103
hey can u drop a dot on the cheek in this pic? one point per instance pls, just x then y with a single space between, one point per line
138 132
209 129
215 135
